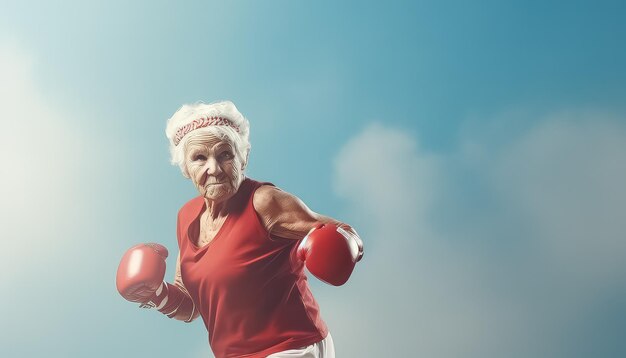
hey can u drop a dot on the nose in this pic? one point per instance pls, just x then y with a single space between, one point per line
212 168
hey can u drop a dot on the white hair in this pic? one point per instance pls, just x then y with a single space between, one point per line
191 112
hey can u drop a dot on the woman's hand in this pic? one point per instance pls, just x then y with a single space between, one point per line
141 272
330 253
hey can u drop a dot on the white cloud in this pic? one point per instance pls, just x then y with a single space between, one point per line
410 290
379 169
66 217
509 272
568 176
52 244
39 149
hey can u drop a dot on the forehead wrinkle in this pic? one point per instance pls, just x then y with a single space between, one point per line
195 144
206 135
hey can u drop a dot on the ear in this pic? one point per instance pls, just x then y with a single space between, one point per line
185 171
245 163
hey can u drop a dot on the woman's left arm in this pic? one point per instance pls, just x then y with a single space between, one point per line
285 215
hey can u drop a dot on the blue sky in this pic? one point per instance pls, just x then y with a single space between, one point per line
477 147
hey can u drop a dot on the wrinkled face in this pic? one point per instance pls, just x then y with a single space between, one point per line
214 168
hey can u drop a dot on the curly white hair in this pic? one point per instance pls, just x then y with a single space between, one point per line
238 134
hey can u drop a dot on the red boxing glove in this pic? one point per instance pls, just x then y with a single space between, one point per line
140 279
141 272
330 253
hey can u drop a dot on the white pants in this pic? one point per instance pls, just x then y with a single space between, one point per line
322 349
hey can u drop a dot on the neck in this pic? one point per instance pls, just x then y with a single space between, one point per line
214 209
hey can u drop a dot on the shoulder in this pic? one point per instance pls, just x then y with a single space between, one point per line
270 198
264 197
284 214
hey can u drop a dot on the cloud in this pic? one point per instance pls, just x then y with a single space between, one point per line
379 170
67 213
39 149
54 193
567 176
503 248
408 298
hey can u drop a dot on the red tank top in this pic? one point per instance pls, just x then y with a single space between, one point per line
249 287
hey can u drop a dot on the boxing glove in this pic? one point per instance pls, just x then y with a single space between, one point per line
140 279
141 272
330 253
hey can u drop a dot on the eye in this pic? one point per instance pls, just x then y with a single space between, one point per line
226 155
199 157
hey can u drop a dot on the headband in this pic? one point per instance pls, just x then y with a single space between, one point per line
201 123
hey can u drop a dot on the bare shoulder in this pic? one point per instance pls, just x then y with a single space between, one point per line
282 213
263 197
268 199
265 202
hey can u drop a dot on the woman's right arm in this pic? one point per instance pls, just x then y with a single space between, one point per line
187 310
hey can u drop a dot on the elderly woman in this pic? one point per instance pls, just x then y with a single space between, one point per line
243 245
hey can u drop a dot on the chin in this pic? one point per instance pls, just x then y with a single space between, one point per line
218 194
